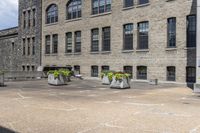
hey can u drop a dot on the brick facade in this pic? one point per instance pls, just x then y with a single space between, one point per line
156 58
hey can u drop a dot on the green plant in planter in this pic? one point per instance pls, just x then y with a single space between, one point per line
121 75
57 73
107 73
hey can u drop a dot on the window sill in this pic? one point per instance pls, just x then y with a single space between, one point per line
127 8
51 54
171 49
127 51
189 48
105 52
143 5
101 14
51 24
77 53
68 53
142 50
96 52
72 20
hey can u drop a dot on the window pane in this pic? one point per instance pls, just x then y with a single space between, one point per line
191 31
171 73
55 43
128 3
143 37
128 37
78 41
142 72
106 39
171 32
95 40
68 42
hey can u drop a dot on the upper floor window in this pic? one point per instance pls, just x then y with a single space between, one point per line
68 42
128 37
171 32
55 43
33 46
143 37
73 9
128 3
106 39
24 19
101 6
34 15
77 47
47 44
140 2
191 31
29 18
95 40
52 14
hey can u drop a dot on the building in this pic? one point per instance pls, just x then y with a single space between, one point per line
30 34
151 39
9 49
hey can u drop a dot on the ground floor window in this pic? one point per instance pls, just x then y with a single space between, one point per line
142 72
129 70
105 68
77 69
171 73
191 74
94 71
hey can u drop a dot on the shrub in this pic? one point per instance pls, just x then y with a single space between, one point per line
121 75
107 73
63 72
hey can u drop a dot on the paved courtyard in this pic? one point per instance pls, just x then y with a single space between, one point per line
86 106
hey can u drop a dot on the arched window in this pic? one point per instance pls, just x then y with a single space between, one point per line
52 14
73 9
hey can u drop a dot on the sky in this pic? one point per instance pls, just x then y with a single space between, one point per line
8 13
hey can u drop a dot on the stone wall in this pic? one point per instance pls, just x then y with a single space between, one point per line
156 58
30 32
8 49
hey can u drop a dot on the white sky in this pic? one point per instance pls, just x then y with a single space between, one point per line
8 13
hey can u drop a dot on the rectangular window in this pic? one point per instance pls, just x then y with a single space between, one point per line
24 19
171 32
105 68
142 72
191 31
24 46
94 71
140 2
33 46
29 49
95 40
106 39
128 37
77 41
77 69
34 17
55 44
68 42
128 3
101 6
171 73
129 70
143 35
47 44
191 74
29 18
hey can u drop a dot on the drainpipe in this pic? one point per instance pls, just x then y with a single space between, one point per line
197 85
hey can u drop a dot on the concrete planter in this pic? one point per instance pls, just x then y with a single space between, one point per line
105 80
120 84
1 79
61 80
196 88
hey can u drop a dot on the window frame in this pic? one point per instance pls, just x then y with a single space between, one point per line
142 33
52 14
170 43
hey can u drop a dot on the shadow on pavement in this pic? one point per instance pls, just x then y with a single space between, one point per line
6 130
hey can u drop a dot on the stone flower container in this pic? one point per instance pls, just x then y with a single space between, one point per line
120 81
107 77
58 77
